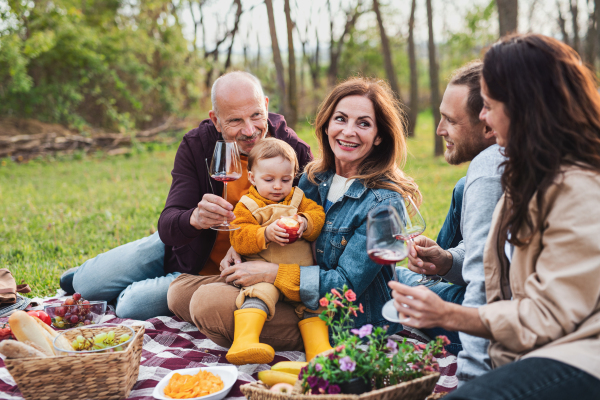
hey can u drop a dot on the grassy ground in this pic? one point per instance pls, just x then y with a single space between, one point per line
57 214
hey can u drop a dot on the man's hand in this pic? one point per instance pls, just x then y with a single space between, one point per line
212 210
277 234
418 306
427 257
250 272
232 257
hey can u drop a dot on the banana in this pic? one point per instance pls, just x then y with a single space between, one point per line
291 367
273 377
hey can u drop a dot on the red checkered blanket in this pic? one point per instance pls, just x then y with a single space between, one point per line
171 344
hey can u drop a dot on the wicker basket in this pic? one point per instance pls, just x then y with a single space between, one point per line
417 389
85 376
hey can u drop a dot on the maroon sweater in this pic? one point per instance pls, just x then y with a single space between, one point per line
186 248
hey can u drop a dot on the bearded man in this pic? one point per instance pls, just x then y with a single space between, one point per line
137 275
458 255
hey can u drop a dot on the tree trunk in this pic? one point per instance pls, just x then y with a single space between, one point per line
238 14
257 51
508 11
335 49
574 24
414 73
292 112
562 24
276 57
387 53
591 37
434 83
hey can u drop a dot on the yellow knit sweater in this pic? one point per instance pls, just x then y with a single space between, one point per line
250 238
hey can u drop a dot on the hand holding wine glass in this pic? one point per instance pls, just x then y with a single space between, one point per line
383 247
225 167
414 225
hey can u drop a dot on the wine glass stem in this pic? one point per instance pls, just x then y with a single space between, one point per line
394 276
225 198
423 276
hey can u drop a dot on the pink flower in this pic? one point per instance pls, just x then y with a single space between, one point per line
429 368
420 346
445 340
335 292
350 295
353 311
340 348
360 308
338 303
324 302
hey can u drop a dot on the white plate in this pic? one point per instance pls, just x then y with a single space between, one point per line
227 374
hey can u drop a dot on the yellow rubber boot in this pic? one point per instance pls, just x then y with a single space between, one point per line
315 336
246 347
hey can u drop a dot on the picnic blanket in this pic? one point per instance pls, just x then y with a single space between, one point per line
170 344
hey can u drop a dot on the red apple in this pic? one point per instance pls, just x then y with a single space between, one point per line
291 226
282 388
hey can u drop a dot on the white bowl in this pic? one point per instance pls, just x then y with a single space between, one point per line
227 374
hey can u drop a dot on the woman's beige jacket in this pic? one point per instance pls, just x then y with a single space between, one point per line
546 302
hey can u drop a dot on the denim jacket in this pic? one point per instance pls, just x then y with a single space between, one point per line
341 250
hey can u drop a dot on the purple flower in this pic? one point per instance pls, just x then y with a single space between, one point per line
318 367
333 356
392 346
312 381
364 331
322 385
334 389
346 364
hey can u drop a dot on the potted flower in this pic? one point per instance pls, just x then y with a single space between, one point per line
364 358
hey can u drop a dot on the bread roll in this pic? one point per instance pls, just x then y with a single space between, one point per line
61 342
14 349
25 328
38 348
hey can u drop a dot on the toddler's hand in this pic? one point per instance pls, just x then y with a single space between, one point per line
275 233
303 224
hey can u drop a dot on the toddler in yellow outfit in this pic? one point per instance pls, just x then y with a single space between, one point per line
272 166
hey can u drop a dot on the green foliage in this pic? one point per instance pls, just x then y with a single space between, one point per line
95 63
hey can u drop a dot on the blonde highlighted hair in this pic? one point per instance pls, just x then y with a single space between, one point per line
381 169
270 148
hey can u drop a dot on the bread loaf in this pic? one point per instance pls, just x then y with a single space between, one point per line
14 349
61 343
25 328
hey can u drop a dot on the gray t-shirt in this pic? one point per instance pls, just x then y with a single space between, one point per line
482 192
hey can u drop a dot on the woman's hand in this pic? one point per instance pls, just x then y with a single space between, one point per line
275 233
232 257
419 307
250 272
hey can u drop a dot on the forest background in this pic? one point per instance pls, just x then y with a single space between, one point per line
96 94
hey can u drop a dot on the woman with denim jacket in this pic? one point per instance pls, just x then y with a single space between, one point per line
361 138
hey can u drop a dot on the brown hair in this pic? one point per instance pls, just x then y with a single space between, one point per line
469 75
270 148
381 168
554 110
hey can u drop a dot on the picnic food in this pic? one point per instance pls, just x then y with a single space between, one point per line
104 340
272 378
291 226
5 332
190 386
291 367
74 311
14 349
26 328
41 315
282 388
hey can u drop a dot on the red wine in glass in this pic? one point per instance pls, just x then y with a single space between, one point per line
385 256
226 166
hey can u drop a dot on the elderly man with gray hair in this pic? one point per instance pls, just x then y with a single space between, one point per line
137 275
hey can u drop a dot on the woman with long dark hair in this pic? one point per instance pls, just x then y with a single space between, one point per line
542 257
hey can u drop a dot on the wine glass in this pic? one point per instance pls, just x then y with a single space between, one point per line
225 167
383 247
414 225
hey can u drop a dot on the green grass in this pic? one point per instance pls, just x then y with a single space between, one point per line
56 214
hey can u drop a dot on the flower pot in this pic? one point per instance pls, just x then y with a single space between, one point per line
355 386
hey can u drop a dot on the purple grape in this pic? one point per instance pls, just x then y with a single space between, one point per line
74 310
74 319
67 316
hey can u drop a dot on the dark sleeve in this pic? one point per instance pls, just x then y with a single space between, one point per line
174 226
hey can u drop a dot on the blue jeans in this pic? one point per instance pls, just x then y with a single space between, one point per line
132 274
450 235
531 379
447 292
